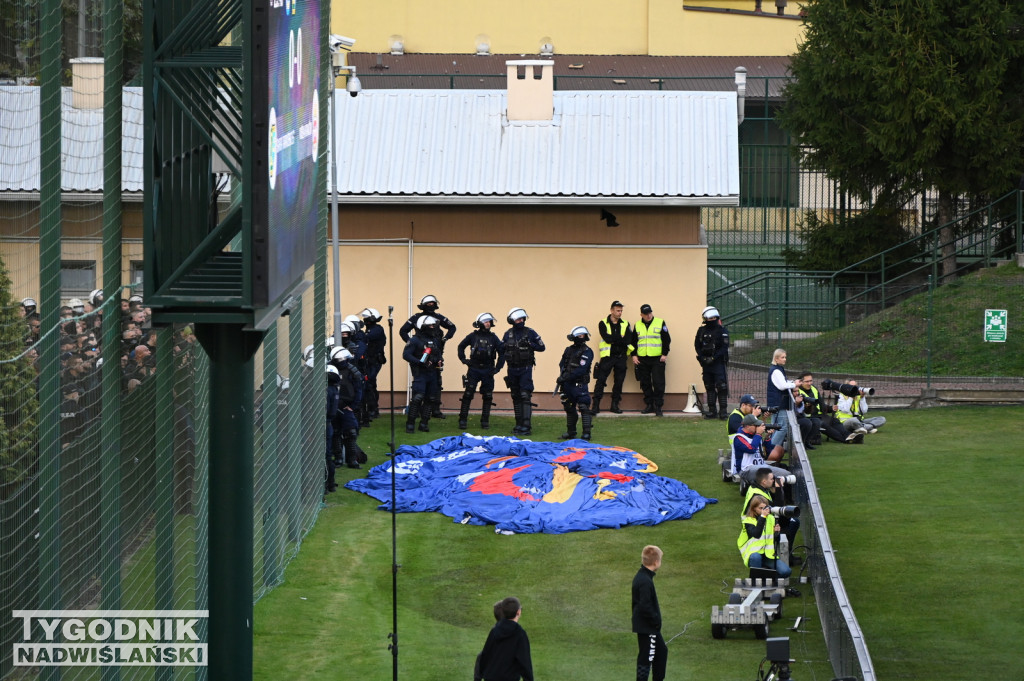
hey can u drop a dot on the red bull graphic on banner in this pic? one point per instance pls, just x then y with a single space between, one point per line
524 487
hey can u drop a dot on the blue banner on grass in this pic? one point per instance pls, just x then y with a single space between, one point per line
524 487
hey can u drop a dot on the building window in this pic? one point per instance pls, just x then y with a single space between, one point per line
135 276
77 278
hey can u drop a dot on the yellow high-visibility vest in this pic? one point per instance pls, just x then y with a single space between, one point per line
764 544
649 338
604 347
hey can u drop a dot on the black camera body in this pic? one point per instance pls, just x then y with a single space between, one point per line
773 410
846 388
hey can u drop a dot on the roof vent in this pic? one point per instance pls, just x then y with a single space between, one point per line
396 44
530 89
483 45
547 48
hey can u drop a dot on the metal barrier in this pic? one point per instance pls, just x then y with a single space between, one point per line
847 649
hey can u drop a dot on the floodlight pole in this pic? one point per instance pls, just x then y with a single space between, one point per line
335 244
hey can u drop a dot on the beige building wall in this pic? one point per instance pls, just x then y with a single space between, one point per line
559 286
652 27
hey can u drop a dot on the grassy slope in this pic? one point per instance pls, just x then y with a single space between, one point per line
331 617
895 341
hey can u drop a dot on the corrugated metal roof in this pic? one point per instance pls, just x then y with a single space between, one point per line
676 148
82 142
574 72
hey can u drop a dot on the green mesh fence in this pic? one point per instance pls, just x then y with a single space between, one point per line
104 420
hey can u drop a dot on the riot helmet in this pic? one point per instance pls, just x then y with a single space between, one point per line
482 319
96 297
517 314
426 325
356 322
710 312
307 355
429 304
346 327
371 314
333 376
579 334
29 304
341 355
77 306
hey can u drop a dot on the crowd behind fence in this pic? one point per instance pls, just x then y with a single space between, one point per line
155 427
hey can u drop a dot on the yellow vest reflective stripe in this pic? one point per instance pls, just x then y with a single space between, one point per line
855 405
649 338
764 544
604 347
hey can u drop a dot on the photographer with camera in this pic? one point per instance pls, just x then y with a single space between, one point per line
823 412
748 405
852 405
747 445
757 537
772 488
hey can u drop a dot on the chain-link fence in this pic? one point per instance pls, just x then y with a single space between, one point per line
104 418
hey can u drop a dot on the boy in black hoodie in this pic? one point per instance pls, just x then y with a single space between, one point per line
506 654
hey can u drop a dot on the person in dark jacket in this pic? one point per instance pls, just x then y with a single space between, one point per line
506 654
652 650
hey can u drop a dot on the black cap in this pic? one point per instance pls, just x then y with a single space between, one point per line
616 303
645 309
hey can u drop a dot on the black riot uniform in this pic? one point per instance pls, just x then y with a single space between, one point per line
376 342
712 346
423 353
428 307
521 343
574 382
486 358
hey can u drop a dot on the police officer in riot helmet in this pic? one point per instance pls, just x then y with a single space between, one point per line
428 306
376 340
712 346
574 381
423 353
333 389
350 341
486 358
350 396
521 343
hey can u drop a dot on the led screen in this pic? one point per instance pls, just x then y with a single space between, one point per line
285 235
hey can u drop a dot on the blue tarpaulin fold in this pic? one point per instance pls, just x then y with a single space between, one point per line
524 487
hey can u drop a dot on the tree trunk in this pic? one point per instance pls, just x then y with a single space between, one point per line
947 236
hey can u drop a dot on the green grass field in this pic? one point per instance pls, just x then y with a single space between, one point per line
917 516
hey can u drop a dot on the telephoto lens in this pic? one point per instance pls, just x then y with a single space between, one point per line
785 511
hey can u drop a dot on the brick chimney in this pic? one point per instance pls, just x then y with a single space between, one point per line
87 83
530 95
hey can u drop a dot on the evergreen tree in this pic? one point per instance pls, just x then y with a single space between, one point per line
19 403
891 98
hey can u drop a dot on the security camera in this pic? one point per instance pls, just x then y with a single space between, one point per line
341 42
353 87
